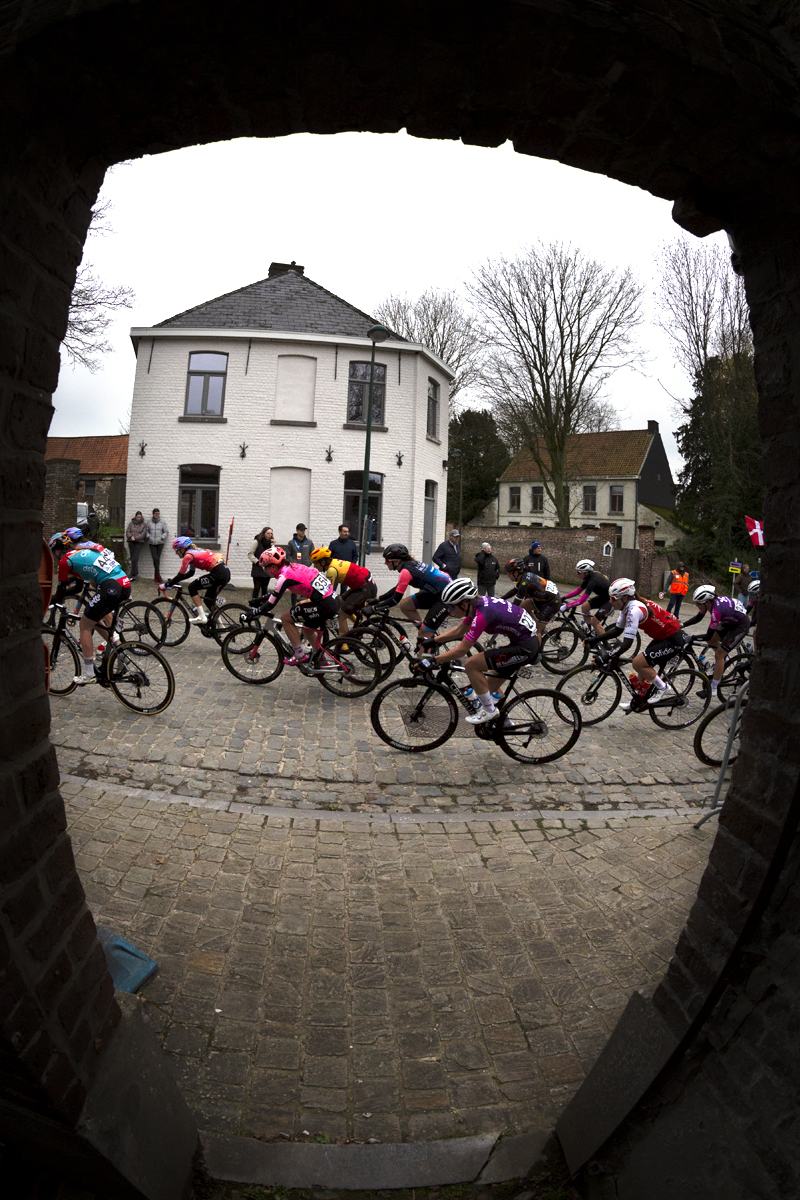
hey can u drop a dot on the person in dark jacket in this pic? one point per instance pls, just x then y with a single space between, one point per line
447 556
300 547
344 547
535 561
488 570
261 542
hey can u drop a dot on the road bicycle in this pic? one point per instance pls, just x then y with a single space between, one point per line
421 712
138 675
176 614
712 734
563 648
136 620
597 690
256 653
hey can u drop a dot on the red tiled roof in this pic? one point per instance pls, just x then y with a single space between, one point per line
98 455
620 452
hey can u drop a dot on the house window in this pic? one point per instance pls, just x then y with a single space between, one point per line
198 507
537 498
514 504
351 512
205 386
616 499
589 498
433 408
358 391
618 536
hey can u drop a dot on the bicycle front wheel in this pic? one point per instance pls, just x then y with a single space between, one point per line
414 715
562 649
539 726
140 677
382 646
139 621
65 662
711 735
686 699
175 618
347 667
225 618
596 693
252 655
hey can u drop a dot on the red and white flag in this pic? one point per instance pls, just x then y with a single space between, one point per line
756 531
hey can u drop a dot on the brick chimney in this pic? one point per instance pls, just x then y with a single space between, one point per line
282 268
652 426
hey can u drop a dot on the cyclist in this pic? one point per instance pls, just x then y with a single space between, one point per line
316 589
752 608
532 592
215 576
88 562
361 587
484 614
430 581
728 625
635 612
594 585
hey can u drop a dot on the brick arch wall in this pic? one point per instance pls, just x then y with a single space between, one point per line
673 97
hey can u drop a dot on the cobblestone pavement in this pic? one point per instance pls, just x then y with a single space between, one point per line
292 744
368 976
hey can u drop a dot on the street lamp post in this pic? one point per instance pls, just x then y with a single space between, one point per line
460 455
378 333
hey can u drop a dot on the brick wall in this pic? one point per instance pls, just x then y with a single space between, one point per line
60 496
562 547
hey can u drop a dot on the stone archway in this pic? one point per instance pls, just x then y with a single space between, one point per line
696 102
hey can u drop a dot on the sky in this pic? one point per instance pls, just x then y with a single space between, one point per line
367 215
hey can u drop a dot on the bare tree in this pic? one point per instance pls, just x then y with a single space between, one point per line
558 325
438 319
93 304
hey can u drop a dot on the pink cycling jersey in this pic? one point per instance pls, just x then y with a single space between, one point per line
304 581
204 560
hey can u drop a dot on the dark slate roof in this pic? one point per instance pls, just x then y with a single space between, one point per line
286 301
616 452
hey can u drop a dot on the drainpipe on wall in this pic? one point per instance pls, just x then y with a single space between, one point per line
636 515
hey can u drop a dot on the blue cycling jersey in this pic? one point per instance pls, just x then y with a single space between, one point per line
93 564
424 576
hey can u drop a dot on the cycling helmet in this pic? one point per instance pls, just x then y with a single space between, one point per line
320 553
74 534
704 593
755 587
515 564
396 550
585 565
275 557
58 541
621 589
459 591
182 543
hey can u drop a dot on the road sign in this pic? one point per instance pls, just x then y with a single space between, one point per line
735 568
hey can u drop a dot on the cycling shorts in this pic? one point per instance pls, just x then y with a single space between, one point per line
603 606
213 582
658 652
358 596
314 613
425 600
505 660
545 611
108 597
731 635
436 615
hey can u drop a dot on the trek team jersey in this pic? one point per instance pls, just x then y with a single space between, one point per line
93 564
500 617
204 560
424 576
307 582
594 584
348 574
651 618
726 612
537 589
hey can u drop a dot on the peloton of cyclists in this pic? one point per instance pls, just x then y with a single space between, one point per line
479 615
215 575
636 613
592 594
88 562
534 593
318 605
430 581
361 587
729 623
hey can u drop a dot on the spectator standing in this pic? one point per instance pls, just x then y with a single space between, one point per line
261 542
488 570
300 547
678 587
344 547
157 533
136 533
743 582
536 562
447 556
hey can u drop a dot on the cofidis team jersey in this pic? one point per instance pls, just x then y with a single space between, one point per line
651 618
501 617
307 582
424 576
92 564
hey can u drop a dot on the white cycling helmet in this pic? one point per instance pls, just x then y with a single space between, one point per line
585 564
459 591
622 589
755 586
704 593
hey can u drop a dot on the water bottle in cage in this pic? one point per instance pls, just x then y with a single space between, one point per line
98 654
640 686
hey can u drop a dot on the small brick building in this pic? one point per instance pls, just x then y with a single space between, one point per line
89 470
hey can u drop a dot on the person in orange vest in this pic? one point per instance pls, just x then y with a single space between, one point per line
678 587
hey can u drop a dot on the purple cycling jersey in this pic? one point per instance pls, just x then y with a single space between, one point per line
501 617
726 611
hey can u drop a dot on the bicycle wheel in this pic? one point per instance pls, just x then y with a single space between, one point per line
711 735
595 692
347 667
225 618
539 726
252 654
684 702
562 649
382 646
140 677
414 715
176 620
65 663
732 679
138 621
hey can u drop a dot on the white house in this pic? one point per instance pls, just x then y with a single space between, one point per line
251 408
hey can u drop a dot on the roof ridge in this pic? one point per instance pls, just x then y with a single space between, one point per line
213 300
